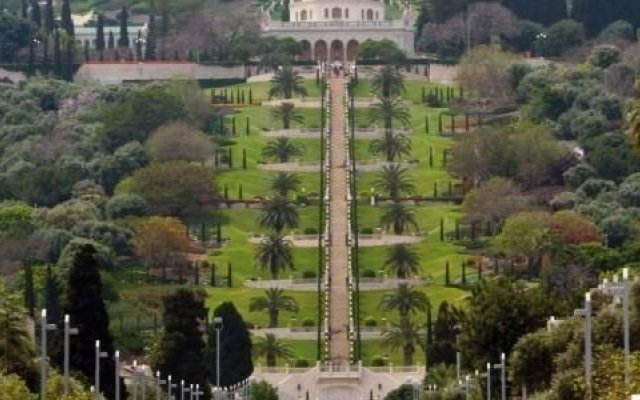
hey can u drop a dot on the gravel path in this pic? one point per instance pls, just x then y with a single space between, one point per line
338 303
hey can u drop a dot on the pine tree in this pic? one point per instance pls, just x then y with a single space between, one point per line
65 18
52 297
100 33
235 358
123 40
111 43
35 13
83 302
150 49
183 351
49 19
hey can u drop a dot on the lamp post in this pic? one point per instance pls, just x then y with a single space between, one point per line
488 381
503 375
183 389
586 313
44 361
197 392
622 290
217 325
159 383
68 331
117 374
169 387
99 355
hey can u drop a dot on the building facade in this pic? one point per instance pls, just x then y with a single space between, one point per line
331 30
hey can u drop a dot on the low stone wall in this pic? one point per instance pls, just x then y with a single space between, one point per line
119 72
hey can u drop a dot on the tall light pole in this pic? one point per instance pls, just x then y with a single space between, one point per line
159 383
169 387
68 331
503 375
488 381
116 358
99 355
44 361
197 392
586 313
218 325
622 290
183 389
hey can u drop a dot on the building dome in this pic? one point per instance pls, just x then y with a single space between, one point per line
336 10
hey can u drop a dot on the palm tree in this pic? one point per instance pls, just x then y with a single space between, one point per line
392 145
279 213
287 113
282 149
389 109
388 81
273 301
285 182
404 335
393 180
274 254
286 82
402 261
271 348
398 217
406 300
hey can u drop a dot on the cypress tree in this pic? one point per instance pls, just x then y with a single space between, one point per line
111 42
84 303
49 21
100 33
286 12
447 276
464 273
69 59
24 9
45 53
123 40
164 15
442 229
29 290
213 275
65 17
35 13
229 281
52 297
57 54
235 358
429 341
182 348
150 49
86 51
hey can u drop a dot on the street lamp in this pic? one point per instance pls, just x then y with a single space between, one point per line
197 392
217 325
117 374
586 313
99 355
68 331
183 389
488 381
169 387
622 290
44 361
159 383
503 375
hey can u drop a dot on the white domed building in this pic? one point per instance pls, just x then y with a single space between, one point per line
331 30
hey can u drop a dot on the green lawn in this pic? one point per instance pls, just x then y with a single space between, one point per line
260 90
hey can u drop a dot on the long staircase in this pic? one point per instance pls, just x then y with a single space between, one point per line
339 351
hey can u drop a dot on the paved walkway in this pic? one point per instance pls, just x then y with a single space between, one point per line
339 299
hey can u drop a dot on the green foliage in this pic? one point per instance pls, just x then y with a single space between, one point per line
286 82
384 50
563 35
271 349
404 392
175 188
13 387
126 205
405 300
16 218
281 149
263 391
402 262
394 180
500 311
279 213
14 34
285 182
84 303
182 347
605 55
388 81
273 302
236 347
274 254
137 116
399 218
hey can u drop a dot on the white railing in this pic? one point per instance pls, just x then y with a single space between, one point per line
350 233
327 218
322 25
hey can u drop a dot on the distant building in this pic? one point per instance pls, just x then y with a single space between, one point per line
85 30
331 30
